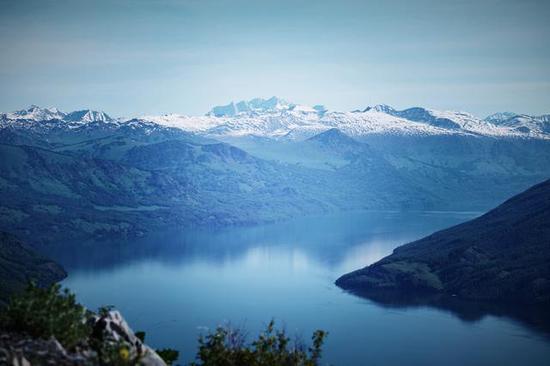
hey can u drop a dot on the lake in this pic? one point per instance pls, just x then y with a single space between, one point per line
176 284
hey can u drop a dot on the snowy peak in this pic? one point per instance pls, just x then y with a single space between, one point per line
256 105
271 104
384 108
87 115
434 118
229 110
521 123
440 119
525 124
278 119
498 118
36 113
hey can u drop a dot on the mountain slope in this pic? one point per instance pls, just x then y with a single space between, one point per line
502 255
120 185
87 172
48 196
19 264
468 172
51 196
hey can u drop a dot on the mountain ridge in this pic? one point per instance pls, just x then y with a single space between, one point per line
276 118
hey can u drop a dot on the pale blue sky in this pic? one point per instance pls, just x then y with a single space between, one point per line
144 57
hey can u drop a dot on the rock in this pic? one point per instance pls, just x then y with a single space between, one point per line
111 328
19 350
110 333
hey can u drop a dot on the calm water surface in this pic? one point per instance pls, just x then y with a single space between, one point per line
174 285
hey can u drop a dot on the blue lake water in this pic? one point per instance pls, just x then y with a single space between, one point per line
176 284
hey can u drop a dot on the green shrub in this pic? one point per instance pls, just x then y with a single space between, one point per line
114 353
140 335
43 313
168 355
227 347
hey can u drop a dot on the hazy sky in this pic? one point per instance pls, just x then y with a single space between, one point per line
143 57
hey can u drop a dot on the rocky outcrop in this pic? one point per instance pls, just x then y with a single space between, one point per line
19 350
111 328
116 339
503 255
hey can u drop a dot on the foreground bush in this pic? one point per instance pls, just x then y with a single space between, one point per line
227 347
45 313
38 315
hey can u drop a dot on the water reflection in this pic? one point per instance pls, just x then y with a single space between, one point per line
173 284
537 317
347 241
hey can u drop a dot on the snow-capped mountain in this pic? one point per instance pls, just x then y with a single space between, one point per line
522 123
256 105
278 119
259 106
499 117
273 117
87 115
35 113
41 121
273 160
422 121
37 125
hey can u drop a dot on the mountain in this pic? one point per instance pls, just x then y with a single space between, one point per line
84 173
333 138
528 124
522 123
48 195
77 127
279 119
38 114
139 176
87 115
20 264
256 105
502 255
464 161
499 117
333 148
35 113
433 118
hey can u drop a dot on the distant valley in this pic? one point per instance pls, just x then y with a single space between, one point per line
68 176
